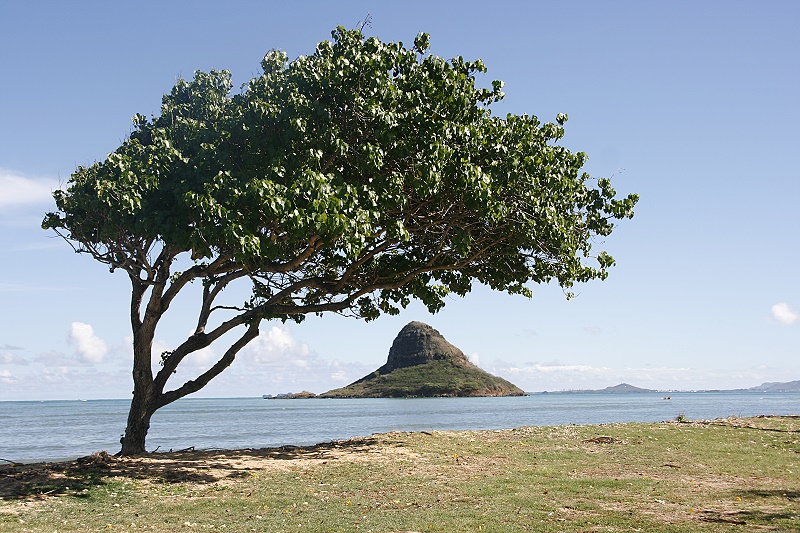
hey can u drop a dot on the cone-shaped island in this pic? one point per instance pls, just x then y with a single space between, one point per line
422 363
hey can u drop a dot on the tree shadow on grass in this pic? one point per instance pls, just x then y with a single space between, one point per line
793 495
27 481
771 515
753 517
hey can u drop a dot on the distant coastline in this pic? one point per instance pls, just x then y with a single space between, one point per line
622 388
788 386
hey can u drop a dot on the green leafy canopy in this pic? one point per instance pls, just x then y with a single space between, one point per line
353 179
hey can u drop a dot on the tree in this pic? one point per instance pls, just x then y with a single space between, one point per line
351 181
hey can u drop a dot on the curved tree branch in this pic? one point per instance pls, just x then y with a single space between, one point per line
201 381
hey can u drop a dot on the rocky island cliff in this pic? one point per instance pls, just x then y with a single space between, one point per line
422 363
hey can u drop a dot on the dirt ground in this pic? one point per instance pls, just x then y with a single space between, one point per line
203 466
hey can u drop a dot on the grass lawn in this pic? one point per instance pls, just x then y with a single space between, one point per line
734 474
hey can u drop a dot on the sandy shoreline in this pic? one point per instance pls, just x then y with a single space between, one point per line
217 465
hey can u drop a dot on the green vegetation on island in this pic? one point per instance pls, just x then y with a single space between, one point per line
436 378
422 363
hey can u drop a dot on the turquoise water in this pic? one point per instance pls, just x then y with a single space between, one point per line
52 430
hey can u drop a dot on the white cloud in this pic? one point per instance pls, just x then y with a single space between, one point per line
784 314
278 348
63 382
557 376
339 376
10 347
58 375
475 359
19 190
53 358
88 346
12 359
204 357
549 368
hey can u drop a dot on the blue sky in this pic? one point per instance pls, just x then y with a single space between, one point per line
693 105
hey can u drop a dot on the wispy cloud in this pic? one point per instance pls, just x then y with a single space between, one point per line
12 359
88 346
63 382
552 376
9 347
53 358
19 190
21 287
784 314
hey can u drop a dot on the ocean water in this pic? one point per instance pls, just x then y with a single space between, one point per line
55 430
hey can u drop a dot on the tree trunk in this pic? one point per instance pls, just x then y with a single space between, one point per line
133 441
148 393
142 404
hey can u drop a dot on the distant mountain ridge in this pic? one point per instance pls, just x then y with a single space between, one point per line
622 387
770 386
625 387
774 386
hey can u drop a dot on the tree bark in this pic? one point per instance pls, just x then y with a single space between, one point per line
133 441
142 404
148 392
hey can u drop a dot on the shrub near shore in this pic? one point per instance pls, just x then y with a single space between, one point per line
723 475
